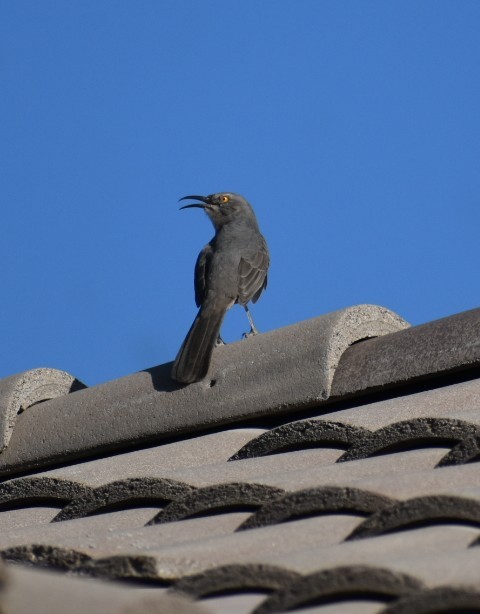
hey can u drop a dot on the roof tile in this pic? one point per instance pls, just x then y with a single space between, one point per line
338 505
293 366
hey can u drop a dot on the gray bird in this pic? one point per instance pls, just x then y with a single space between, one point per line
231 269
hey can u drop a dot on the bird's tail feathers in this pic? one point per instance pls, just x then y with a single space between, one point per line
193 359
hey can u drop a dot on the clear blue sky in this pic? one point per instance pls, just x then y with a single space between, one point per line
352 127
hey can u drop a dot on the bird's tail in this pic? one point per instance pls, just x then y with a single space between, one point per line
193 358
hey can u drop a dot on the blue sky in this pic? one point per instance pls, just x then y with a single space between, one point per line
352 127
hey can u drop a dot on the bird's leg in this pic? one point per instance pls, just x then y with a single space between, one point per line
253 328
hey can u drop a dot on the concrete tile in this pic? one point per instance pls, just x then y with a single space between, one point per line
461 401
44 592
269 373
437 347
26 517
20 392
157 461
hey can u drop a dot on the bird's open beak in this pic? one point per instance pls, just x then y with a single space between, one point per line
204 199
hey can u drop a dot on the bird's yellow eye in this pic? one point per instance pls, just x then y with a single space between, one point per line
224 199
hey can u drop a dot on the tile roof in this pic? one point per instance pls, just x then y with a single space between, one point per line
330 466
44 592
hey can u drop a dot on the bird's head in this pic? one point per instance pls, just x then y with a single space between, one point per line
221 208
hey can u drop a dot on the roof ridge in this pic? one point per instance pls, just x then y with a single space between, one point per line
301 358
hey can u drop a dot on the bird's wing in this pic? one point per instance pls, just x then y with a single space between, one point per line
201 272
252 276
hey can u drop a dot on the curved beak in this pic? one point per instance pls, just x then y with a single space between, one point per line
204 199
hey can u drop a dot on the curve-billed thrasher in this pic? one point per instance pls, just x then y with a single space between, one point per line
231 269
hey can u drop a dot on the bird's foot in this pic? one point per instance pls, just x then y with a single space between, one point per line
252 333
253 328
219 341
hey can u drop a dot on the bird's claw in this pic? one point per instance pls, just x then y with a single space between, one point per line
252 333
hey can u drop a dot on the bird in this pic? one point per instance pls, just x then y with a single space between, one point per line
231 268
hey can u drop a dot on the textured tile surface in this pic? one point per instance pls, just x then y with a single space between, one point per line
286 370
43 592
289 367
370 508
426 350
20 392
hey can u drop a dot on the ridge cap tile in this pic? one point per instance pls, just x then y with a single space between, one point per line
153 407
436 347
301 359
22 391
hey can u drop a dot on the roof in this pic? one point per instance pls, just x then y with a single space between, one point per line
328 466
